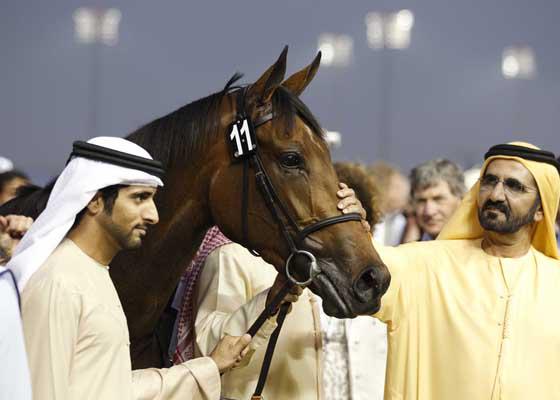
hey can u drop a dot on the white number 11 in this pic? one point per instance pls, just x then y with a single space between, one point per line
235 134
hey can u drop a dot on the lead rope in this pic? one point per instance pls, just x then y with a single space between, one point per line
268 312
257 395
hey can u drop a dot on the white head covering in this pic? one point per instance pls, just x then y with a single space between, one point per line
464 223
75 187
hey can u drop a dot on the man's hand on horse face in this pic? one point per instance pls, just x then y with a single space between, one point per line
349 203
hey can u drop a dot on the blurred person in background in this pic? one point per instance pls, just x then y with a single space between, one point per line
393 188
12 229
436 189
317 357
10 182
15 382
365 186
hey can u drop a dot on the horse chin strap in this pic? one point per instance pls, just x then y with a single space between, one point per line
277 209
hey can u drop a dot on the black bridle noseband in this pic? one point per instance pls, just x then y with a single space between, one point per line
246 149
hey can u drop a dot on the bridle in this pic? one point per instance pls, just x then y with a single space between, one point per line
275 205
246 150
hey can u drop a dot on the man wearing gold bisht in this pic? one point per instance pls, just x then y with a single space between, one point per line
475 314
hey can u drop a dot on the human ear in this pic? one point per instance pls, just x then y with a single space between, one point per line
96 205
539 214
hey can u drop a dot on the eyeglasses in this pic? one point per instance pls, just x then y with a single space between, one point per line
511 185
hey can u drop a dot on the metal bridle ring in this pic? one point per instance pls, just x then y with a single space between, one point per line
314 269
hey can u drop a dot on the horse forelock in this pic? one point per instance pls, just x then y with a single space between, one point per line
288 106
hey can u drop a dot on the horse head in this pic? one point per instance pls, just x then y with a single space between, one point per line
296 162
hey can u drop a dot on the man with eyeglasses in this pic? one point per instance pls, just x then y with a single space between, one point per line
473 314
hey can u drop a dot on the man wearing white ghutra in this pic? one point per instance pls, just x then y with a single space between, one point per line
75 330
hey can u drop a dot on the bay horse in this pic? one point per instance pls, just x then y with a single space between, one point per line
203 187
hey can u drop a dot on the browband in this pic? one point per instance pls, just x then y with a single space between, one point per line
115 157
523 152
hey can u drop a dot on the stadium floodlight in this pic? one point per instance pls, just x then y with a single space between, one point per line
389 30
375 30
84 25
518 62
337 49
92 25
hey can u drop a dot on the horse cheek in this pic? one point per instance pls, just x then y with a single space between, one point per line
225 202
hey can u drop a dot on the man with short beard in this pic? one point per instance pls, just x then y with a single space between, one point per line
75 330
473 314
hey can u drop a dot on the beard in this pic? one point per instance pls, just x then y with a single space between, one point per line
489 219
126 238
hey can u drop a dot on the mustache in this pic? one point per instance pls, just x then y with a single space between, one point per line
497 205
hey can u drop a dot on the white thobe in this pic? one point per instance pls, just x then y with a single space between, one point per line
78 343
230 296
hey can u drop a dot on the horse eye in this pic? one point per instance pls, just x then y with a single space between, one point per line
291 160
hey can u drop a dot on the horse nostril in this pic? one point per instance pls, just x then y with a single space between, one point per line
366 281
366 286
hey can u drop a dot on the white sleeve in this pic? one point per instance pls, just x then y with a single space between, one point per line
15 383
197 379
232 292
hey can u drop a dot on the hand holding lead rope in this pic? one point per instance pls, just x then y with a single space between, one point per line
292 295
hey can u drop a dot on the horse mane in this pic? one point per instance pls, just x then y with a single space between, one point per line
177 137
188 131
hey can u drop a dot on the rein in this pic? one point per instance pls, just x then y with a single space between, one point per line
245 148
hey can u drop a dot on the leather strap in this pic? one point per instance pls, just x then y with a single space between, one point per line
270 309
270 350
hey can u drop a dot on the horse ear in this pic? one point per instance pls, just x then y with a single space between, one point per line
263 89
299 81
